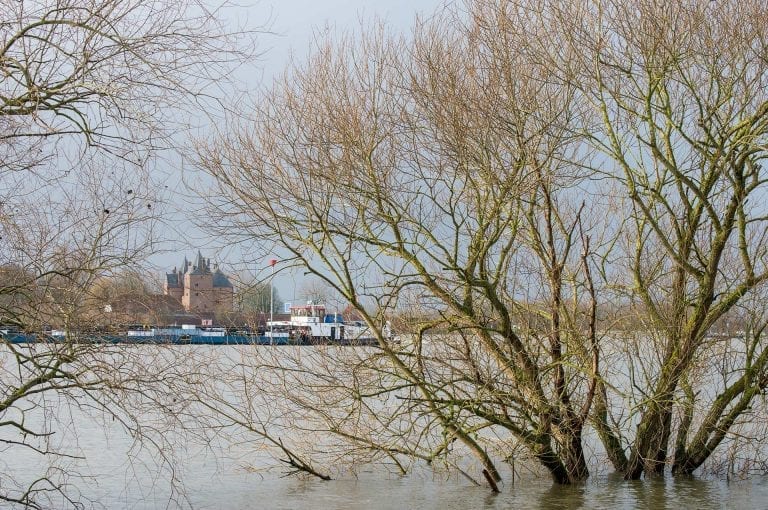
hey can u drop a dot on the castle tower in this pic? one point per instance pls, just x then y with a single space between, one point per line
198 288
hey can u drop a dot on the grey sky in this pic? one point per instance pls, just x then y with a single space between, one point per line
292 25
295 21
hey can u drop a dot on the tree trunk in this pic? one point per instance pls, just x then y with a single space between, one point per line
649 453
568 465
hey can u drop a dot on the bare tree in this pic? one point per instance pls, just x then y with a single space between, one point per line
436 170
679 93
503 176
110 73
91 95
315 291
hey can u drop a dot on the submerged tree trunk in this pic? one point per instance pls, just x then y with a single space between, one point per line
565 468
574 462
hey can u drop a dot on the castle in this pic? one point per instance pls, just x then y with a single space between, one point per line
199 289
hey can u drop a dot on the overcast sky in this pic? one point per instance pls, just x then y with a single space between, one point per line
292 25
295 21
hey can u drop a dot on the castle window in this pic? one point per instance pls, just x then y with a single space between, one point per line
197 293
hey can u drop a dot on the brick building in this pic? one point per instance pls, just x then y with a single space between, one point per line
198 288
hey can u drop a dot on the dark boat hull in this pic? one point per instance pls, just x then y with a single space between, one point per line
21 338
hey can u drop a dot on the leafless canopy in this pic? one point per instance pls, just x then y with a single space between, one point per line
561 201
91 93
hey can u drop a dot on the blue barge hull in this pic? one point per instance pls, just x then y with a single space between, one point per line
20 338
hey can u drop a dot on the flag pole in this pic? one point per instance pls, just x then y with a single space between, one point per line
272 263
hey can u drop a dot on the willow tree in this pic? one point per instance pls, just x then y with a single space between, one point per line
433 175
680 91
91 94
501 176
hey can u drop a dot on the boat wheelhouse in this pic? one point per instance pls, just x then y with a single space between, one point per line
311 323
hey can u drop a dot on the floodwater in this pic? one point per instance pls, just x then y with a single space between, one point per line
414 493
214 482
110 469
213 486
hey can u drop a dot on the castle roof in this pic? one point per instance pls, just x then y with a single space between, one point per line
172 279
221 280
201 266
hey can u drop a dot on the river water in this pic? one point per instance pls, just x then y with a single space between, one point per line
111 469
213 482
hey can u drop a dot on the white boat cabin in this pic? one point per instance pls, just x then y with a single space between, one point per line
311 322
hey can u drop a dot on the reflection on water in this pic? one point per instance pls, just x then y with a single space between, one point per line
599 493
213 481
421 493
113 471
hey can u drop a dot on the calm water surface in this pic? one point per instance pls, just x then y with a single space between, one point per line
225 480
427 494
115 472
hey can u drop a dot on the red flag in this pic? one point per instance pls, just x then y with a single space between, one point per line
272 262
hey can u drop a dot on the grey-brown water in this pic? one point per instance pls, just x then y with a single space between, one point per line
215 483
222 481
445 495
111 469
